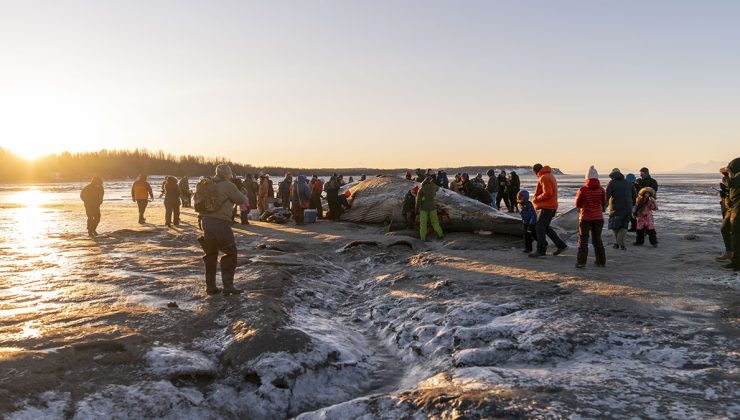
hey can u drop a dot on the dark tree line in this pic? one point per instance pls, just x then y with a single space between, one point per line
118 164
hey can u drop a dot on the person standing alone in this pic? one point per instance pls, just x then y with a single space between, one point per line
545 201
733 184
591 200
214 199
171 201
92 196
141 193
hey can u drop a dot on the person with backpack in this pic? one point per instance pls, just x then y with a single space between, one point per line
726 226
92 196
141 193
591 200
545 201
733 209
214 198
171 201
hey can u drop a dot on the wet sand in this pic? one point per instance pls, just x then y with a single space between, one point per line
342 320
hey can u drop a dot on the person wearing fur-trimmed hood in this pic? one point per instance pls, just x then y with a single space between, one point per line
644 208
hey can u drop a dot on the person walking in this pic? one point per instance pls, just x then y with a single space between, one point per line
171 201
492 186
591 200
217 234
513 187
726 226
529 219
92 196
545 201
427 209
621 195
733 185
141 193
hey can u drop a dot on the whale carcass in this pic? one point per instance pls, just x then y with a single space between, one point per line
380 199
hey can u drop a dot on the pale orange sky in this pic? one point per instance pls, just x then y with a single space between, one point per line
377 83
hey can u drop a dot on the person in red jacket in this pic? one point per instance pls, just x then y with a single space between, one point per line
591 200
546 203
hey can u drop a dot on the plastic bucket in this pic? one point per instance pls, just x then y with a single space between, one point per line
309 215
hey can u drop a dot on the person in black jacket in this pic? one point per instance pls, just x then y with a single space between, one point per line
92 195
646 180
332 198
476 192
733 185
492 185
621 195
513 189
284 191
503 191
726 227
171 201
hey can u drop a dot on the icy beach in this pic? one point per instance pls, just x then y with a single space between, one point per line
344 321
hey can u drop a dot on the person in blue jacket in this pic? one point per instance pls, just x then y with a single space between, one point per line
529 219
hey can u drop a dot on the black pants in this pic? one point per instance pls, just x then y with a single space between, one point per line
591 228
530 235
142 208
171 210
93 217
726 229
218 236
335 209
512 198
652 235
543 229
735 232
316 205
502 195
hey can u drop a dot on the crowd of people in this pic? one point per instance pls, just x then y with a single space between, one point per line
629 201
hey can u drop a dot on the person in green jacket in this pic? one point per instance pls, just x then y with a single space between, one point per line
427 209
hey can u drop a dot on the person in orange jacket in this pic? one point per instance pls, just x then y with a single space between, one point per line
141 193
545 201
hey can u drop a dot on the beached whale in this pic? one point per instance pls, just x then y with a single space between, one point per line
379 200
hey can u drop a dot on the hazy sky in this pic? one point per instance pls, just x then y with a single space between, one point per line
377 83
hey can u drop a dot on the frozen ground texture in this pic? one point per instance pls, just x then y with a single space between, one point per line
344 321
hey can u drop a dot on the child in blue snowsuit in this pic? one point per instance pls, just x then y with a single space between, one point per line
529 219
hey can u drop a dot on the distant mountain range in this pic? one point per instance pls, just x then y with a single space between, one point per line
711 166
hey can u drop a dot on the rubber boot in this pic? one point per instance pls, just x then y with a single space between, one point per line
727 256
228 280
211 288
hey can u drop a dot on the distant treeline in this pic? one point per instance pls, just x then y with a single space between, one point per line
118 164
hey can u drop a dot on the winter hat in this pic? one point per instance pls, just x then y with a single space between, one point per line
523 195
646 170
592 173
223 170
465 176
631 178
491 172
